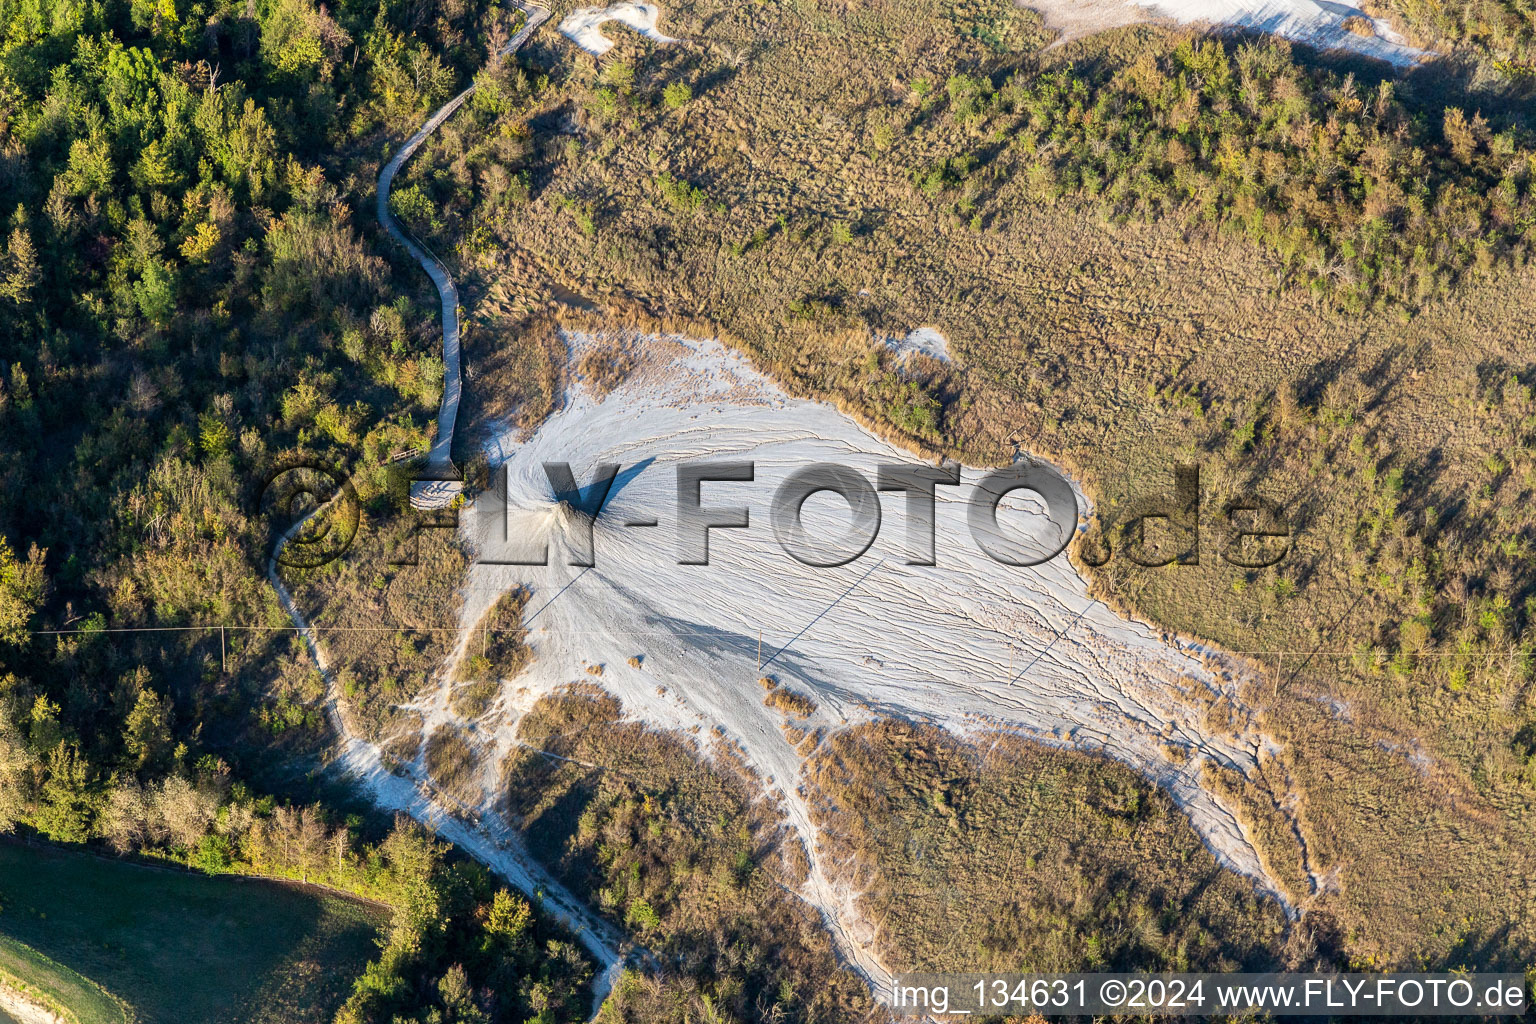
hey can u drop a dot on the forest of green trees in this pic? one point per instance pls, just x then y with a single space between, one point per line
187 296
189 290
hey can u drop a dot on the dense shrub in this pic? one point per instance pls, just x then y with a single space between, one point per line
1362 199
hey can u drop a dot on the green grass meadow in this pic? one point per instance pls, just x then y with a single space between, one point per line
177 947
40 975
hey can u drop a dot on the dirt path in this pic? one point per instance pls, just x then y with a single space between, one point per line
490 840
440 468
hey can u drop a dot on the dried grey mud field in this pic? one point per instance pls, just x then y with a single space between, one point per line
972 645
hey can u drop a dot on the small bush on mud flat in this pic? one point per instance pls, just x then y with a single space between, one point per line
605 368
677 94
788 702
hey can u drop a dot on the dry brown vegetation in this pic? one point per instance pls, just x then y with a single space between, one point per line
685 858
605 368
789 702
498 650
1492 41
1029 859
452 763
1282 849
513 385
386 627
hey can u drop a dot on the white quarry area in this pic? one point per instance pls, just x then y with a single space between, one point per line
1324 24
583 25
969 644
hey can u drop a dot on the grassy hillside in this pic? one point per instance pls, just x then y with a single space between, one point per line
181 948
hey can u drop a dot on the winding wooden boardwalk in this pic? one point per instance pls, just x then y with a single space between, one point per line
440 482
